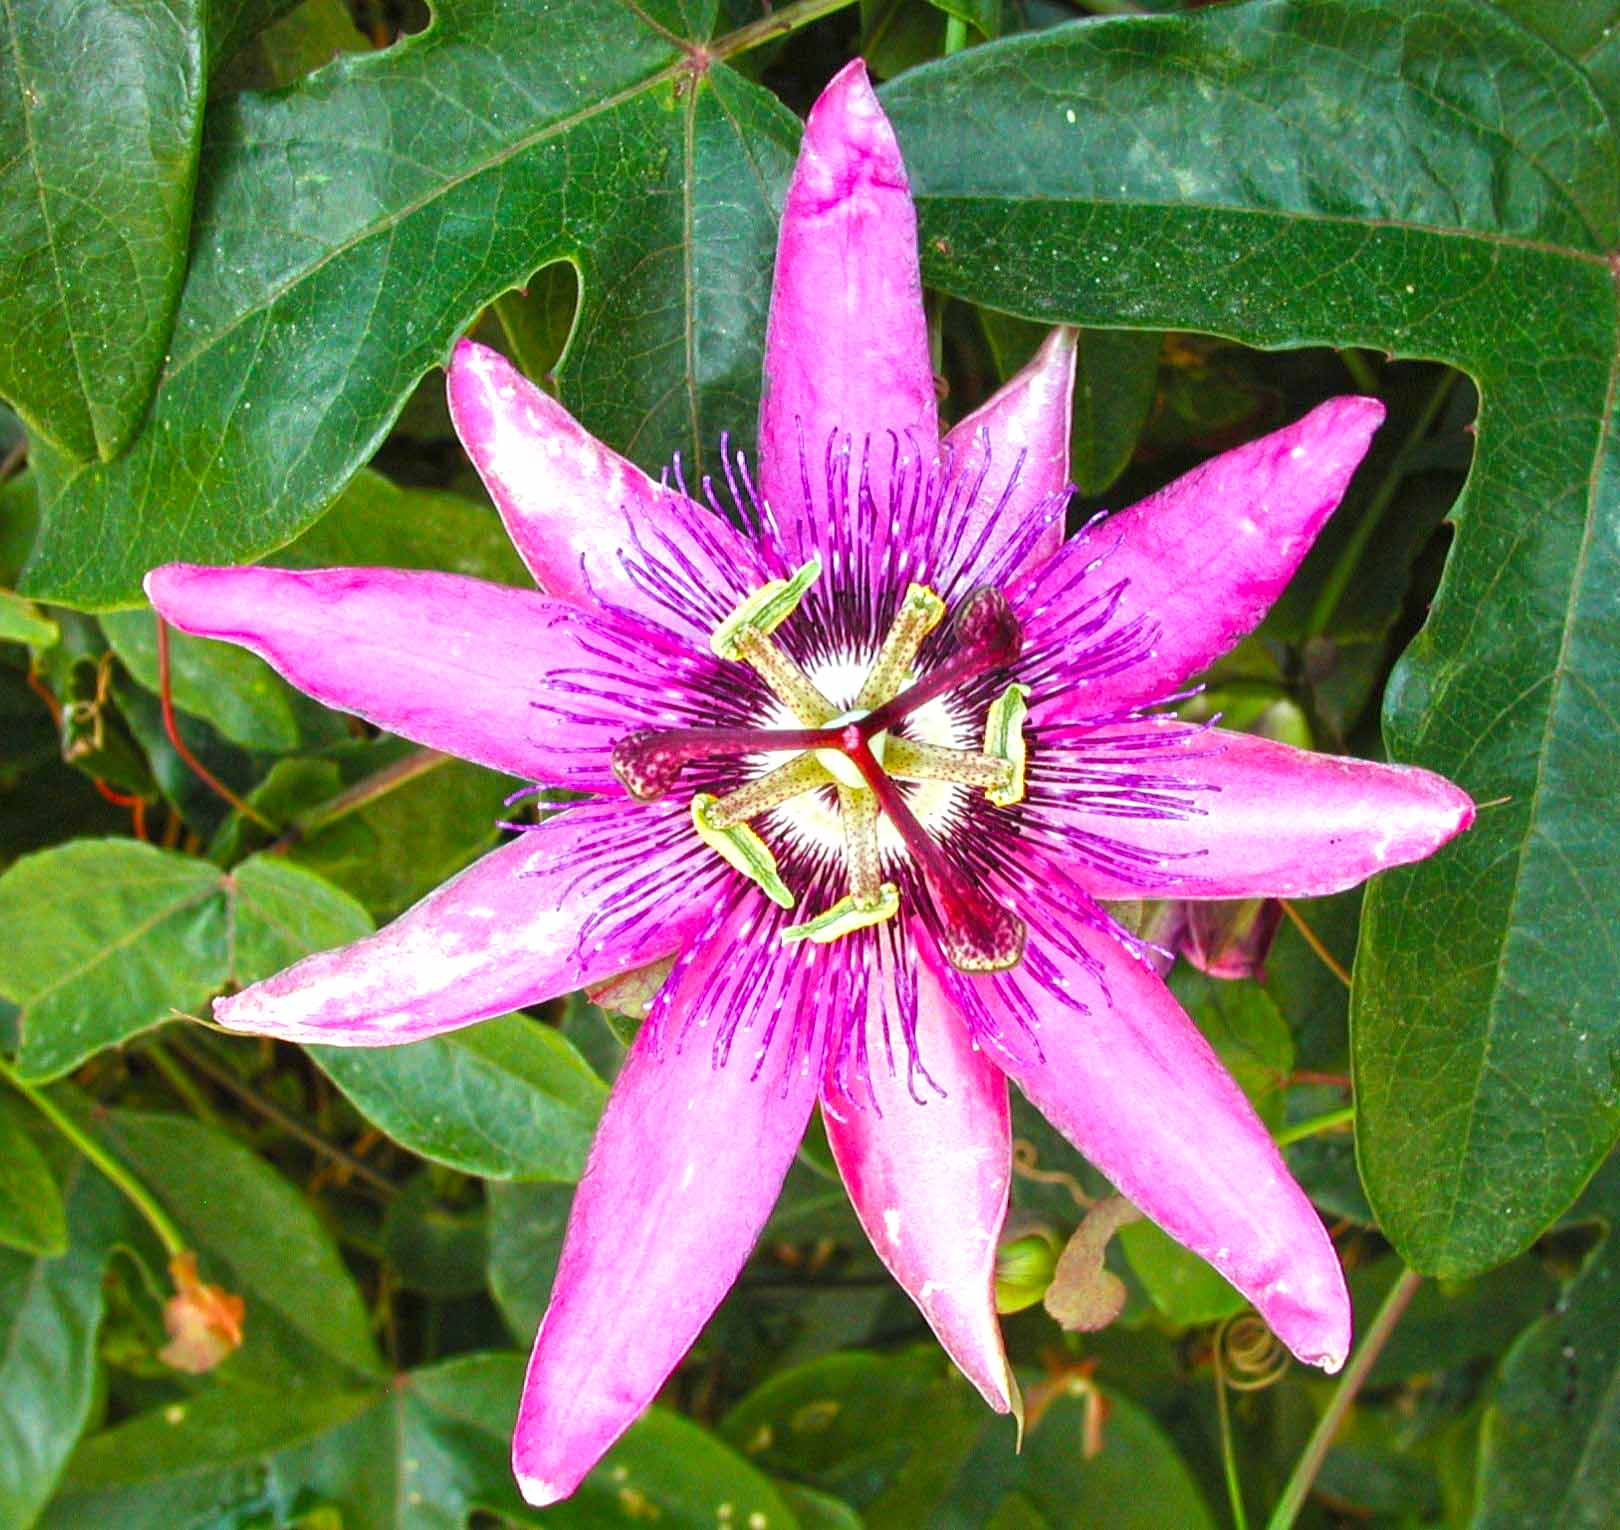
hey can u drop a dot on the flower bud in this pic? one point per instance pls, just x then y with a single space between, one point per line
1024 1269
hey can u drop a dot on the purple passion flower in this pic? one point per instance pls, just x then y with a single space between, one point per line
863 754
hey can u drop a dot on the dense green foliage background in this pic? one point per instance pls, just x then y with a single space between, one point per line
240 238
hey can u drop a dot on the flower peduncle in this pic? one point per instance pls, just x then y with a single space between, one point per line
988 636
977 934
649 761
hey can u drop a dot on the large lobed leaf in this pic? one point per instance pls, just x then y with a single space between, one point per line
100 112
1433 181
350 227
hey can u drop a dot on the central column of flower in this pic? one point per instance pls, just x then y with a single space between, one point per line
855 753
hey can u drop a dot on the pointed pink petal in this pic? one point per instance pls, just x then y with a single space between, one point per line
597 889
504 677
927 1167
592 527
847 346
1024 429
1249 817
686 1166
1132 1083
1202 560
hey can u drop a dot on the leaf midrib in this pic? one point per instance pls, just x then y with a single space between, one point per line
1284 215
561 125
126 939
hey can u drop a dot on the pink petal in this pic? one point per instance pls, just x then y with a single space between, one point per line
1250 818
1203 559
847 345
928 1167
592 527
597 889
1024 426
504 677
686 1166
1133 1084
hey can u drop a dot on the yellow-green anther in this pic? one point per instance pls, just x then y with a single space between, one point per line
919 614
1004 738
765 610
789 684
742 849
846 916
803 773
858 809
910 760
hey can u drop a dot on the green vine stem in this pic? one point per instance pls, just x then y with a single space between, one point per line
1372 1345
361 795
778 24
1326 1122
109 1167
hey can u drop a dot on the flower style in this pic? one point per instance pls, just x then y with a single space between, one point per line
864 750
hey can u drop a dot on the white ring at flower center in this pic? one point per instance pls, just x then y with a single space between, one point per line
812 821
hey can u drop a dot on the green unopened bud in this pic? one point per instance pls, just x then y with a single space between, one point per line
1024 1269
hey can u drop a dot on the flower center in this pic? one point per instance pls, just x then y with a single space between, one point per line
854 752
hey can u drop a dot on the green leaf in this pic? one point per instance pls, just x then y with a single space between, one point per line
434 1248
374 521
561 131
1250 1036
100 939
1587 30
22 622
887 1434
222 1457
526 1226
1483 181
19 521
818 1511
506 1099
100 113
233 24
1550 1449
671 1470
229 687
282 912
308 36
103 939
423 1454
256 1235
31 1215
1186 1289
906 1442
1448 1326
1115 375
405 841
50 1312
1135 1482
